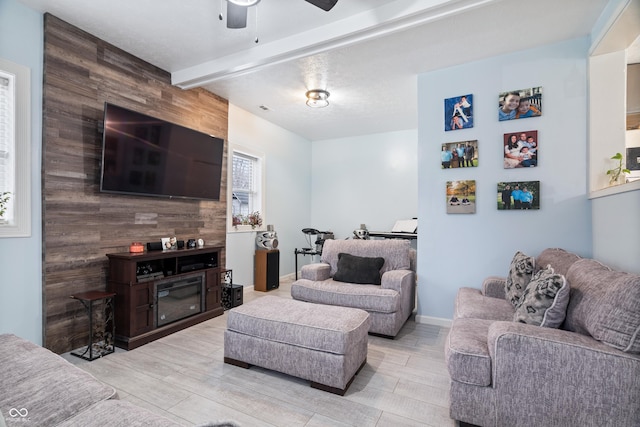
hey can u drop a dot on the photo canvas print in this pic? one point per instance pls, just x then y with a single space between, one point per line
518 195
461 197
461 154
521 149
458 112
520 104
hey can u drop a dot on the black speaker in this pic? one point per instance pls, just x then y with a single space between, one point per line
273 270
180 244
154 246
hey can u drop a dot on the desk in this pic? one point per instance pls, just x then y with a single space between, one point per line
393 235
303 252
104 338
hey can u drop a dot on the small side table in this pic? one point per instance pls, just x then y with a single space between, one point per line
101 342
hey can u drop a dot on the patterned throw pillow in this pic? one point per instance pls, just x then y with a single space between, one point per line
544 301
520 272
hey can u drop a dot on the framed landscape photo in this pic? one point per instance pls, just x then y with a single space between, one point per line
520 103
461 197
461 154
458 112
521 149
518 195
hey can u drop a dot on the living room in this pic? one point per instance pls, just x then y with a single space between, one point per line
314 183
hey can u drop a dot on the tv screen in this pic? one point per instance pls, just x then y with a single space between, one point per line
147 156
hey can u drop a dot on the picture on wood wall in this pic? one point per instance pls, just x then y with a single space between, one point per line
462 154
520 195
461 197
521 149
520 104
458 112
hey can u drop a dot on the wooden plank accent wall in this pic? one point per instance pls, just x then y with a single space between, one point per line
80 224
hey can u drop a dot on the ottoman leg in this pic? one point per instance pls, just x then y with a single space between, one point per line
235 362
336 390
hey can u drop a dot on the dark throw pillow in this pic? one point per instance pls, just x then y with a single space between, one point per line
520 272
356 269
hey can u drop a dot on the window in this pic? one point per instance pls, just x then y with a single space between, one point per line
246 201
15 149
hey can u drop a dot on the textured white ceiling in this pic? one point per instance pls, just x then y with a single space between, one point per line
366 53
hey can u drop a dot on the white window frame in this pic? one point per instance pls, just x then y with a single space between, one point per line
259 196
19 224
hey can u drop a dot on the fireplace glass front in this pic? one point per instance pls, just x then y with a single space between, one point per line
179 298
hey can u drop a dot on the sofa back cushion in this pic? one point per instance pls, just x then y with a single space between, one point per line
394 251
604 304
559 259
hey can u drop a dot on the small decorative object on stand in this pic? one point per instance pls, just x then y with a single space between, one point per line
200 243
231 294
267 239
136 248
361 233
191 243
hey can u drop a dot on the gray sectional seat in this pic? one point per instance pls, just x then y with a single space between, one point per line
323 344
584 373
389 303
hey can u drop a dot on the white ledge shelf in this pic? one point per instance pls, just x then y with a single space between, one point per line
616 189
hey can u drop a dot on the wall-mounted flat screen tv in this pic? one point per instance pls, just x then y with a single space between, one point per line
142 155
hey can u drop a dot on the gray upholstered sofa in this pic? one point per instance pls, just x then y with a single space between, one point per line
40 388
584 373
389 304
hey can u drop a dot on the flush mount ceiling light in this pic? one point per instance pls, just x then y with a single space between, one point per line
317 98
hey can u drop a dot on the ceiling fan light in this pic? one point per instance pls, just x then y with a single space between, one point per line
317 98
244 3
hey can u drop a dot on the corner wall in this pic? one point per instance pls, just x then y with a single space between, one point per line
461 250
21 260
81 224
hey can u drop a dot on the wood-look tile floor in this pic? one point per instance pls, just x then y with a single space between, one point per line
183 377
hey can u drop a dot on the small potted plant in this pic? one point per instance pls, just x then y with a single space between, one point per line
616 173
4 201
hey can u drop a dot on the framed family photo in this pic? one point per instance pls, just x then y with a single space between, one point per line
461 197
458 112
521 149
520 103
461 154
518 195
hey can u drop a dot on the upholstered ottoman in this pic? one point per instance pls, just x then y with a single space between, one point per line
324 344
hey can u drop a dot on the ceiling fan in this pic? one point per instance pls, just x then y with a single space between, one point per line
237 10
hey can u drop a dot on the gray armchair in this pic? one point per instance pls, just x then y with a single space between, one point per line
389 303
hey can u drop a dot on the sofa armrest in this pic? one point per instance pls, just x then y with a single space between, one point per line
404 282
493 286
556 377
317 271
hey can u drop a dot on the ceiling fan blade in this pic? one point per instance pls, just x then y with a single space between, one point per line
325 5
236 16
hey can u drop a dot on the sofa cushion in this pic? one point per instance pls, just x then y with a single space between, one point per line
467 352
371 298
356 269
604 304
49 387
396 252
470 303
544 301
316 327
559 259
520 271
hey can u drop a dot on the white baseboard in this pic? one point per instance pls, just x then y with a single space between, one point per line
437 321
288 277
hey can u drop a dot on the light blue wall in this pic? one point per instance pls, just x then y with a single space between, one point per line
371 180
21 37
288 185
460 250
616 230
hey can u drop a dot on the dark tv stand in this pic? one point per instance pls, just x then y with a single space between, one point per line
161 292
